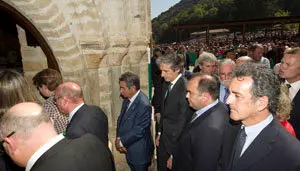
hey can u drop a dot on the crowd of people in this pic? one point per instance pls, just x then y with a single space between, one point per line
230 118
229 111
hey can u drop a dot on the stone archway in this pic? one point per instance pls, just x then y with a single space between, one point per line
44 21
27 25
91 42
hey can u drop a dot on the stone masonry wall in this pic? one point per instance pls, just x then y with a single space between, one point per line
94 42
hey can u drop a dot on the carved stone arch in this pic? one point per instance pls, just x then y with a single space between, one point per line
47 24
26 24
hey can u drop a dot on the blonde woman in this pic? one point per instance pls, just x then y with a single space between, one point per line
284 109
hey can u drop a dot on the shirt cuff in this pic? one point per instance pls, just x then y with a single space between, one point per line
121 145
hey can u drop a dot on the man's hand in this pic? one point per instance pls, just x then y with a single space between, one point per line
157 140
119 147
157 116
169 163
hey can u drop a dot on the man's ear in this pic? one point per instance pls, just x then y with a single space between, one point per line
262 103
133 88
9 146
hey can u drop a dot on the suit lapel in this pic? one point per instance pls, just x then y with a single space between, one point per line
49 153
130 110
259 148
75 116
176 86
122 113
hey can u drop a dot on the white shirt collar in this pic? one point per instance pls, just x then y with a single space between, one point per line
293 90
253 131
74 111
42 150
176 79
133 98
204 109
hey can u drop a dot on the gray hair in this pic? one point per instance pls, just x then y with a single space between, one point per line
22 123
174 60
265 83
226 61
130 79
206 57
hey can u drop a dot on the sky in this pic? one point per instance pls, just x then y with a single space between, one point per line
159 6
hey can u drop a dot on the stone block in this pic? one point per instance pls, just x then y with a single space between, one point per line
34 65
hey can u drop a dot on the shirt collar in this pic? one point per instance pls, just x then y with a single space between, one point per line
134 96
176 79
204 109
74 111
254 130
42 150
294 85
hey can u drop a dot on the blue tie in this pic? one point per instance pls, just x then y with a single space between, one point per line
124 109
239 145
225 98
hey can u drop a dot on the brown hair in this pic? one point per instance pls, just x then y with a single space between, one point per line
48 77
13 89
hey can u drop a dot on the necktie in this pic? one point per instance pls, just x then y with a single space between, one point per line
239 145
126 105
225 98
194 116
124 109
168 90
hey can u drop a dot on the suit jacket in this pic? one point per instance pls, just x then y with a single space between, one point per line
175 113
6 164
295 118
88 119
133 128
199 148
274 149
157 81
81 154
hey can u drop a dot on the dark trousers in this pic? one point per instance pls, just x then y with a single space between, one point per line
143 167
162 156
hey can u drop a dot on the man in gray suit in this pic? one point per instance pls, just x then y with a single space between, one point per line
32 142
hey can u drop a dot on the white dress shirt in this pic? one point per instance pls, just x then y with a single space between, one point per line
42 150
253 131
293 90
74 111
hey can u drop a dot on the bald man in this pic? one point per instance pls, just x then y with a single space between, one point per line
83 119
32 142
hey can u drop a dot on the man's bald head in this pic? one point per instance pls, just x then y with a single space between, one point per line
23 118
71 91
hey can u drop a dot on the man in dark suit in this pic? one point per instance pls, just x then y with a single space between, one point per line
83 119
32 142
260 142
199 147
290 71
175 111
133 127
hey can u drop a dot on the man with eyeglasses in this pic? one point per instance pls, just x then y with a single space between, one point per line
32 142
83 118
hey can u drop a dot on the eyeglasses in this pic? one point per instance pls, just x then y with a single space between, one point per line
2 142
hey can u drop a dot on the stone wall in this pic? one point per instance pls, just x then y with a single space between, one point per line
94 41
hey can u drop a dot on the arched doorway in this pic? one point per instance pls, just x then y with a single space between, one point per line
34 38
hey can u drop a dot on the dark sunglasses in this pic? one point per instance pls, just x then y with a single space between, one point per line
2 142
